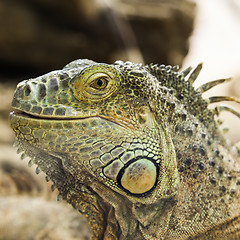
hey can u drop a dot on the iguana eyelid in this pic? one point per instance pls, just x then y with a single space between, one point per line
85 87
93 90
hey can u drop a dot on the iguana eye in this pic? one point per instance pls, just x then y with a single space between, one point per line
99 83
95 83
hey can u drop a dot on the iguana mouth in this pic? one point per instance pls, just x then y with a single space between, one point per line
22 114
41 117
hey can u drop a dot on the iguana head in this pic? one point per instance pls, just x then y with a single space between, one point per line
104 134
102 117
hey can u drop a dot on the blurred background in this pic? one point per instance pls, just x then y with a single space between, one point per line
38 36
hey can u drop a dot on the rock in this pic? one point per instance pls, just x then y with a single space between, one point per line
37 36
35 218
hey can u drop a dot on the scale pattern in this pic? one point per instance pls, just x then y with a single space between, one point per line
132 147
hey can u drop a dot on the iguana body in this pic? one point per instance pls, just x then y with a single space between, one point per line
134 148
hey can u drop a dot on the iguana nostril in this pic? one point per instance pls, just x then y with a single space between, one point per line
140 176
27 90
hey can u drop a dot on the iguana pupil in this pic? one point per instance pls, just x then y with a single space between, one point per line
100 82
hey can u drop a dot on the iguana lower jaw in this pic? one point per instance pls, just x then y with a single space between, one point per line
125 151
75 166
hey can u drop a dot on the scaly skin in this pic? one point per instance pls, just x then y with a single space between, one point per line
134 148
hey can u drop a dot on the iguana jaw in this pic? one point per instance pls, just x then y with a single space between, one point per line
67 170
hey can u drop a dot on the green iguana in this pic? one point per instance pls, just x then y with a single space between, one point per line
134 148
